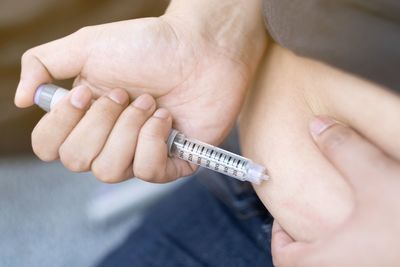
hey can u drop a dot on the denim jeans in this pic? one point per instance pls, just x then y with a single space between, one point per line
211 220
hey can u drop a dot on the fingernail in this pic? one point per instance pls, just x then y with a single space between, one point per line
80 97
143 102
118 96
318 125
161 113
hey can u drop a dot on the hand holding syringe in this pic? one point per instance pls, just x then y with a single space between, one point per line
180 146
195 81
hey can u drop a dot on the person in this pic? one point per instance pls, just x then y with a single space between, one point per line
363 240
202 56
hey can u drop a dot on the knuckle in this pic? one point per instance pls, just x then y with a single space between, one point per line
134 117
149 133
62 117
145 173
42 150
83 30
137 112
82 35
73 161
27 55
104 173
105 109
43 153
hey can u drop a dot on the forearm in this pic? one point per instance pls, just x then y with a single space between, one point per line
234 26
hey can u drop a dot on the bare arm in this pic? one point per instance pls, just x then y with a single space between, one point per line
306 194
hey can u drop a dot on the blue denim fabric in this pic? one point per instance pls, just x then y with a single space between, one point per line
212 220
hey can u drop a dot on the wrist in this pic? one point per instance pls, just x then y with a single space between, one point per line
234 26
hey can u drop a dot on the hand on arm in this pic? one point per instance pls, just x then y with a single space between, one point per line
370 235
196 61
306 194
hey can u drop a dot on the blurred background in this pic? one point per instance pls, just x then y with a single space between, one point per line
49 216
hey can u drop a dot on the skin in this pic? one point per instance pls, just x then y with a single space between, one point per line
176 60
184 65
306 194
362 240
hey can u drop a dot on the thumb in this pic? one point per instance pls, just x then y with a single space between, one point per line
59 59
286 252
360 161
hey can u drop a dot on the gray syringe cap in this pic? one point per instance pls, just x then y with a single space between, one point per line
44 94
170 141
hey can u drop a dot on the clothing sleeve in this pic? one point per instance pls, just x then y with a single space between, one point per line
358 36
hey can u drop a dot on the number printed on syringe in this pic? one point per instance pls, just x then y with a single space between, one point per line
224 164
214 158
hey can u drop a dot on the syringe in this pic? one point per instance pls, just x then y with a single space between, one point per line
191 150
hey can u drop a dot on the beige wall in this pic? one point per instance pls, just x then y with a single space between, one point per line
26 23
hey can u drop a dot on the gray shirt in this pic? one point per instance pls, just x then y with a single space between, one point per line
358 36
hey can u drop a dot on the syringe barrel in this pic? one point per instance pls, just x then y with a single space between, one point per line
180 146
214 158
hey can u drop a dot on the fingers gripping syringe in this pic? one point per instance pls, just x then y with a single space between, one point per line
180 146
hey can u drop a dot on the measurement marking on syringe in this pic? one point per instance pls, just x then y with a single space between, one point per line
213 159
216 167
